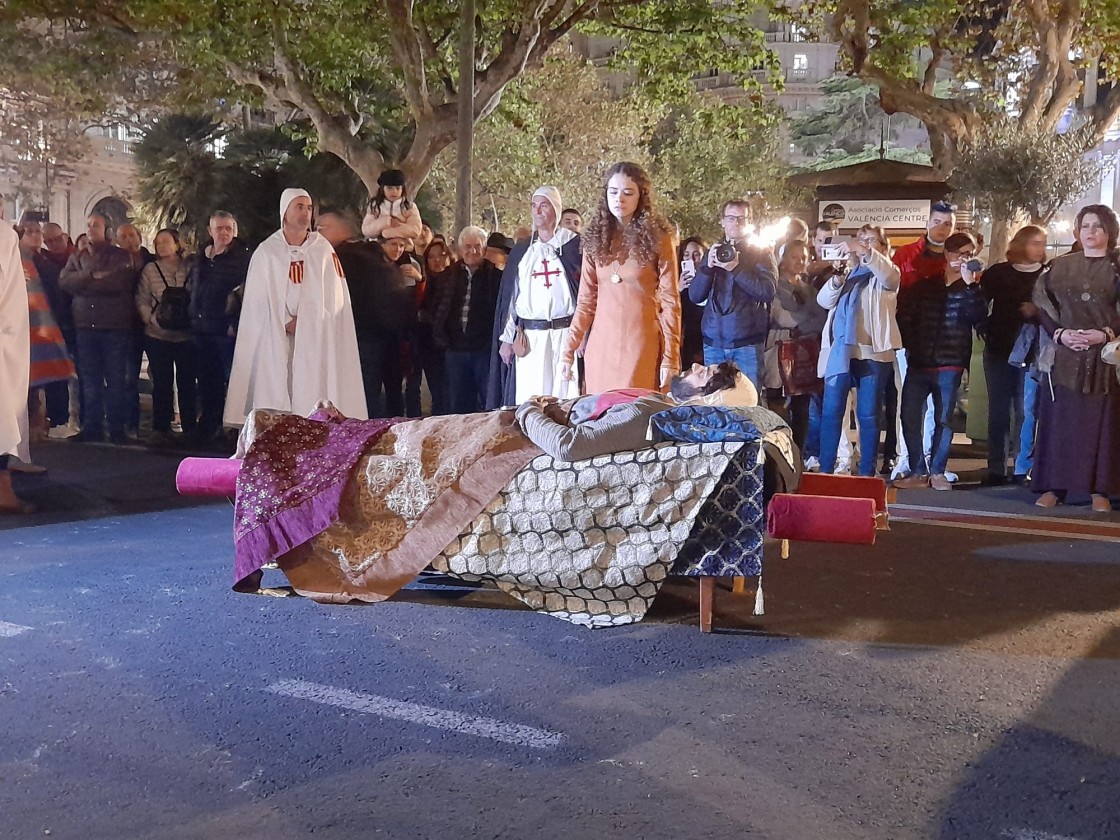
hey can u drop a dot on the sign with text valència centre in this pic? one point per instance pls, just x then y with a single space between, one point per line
890 213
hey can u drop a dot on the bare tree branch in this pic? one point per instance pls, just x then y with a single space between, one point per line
1104 114
285 86
408 49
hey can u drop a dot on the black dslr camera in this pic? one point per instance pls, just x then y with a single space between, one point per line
725 252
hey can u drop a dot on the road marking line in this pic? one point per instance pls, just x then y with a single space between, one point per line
7 629
1032 834
482 727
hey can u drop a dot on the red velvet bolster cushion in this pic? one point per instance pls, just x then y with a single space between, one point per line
821 519
847 486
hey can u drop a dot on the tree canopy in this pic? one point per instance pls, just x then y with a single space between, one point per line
847 119
377 80
559 125
1026 175
183 178
1024 60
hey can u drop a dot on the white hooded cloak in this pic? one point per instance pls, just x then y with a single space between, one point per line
15 347
293 373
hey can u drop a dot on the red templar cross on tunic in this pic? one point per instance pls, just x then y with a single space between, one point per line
546 273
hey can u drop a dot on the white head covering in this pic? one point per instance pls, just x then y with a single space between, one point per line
287 197
553 196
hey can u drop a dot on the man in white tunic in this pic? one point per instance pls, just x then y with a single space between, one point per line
15 365
538 296
296 343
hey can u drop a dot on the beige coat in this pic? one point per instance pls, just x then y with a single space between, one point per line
15 347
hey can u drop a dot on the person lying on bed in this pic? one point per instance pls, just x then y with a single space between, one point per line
616 421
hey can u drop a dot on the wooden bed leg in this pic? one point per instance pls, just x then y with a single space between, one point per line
785 549
707 595
739 585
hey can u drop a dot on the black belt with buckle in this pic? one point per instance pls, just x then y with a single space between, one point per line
557 324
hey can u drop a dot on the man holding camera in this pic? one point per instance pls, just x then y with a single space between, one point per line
737 282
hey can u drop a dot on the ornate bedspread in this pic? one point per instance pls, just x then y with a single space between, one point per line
420 485
591 542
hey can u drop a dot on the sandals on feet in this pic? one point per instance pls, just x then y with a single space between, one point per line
1048 500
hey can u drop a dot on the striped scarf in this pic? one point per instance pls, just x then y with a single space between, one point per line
50 361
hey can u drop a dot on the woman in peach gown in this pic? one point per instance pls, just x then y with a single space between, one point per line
629 307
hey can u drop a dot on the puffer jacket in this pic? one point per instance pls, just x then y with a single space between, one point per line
107 301
937 322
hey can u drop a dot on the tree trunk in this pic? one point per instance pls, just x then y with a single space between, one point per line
465 133
1002 231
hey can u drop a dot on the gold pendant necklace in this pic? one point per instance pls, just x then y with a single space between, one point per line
615 276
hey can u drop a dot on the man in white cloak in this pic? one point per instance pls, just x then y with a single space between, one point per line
538 297
15 365
296 343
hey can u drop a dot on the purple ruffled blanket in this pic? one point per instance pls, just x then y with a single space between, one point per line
291 483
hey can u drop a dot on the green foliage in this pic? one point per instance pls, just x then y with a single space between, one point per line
1011 172
183 178
557 125
836 158
40 143
375 91
1015 71
664 43
179 173
708 151
847 119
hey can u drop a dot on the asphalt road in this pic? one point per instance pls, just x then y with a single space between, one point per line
945 683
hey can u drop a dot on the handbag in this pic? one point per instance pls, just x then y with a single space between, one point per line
797 365
520 342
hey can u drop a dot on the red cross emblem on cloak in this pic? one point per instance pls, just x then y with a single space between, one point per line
546 273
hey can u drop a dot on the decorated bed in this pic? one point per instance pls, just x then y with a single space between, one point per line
356 510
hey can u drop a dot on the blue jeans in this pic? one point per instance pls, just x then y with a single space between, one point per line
748 359
805 421
105 358
1012 407
467 376
869 378
943 386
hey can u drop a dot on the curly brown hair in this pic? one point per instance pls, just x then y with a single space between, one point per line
604 239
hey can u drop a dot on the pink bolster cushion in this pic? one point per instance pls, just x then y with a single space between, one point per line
207 476
821 519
